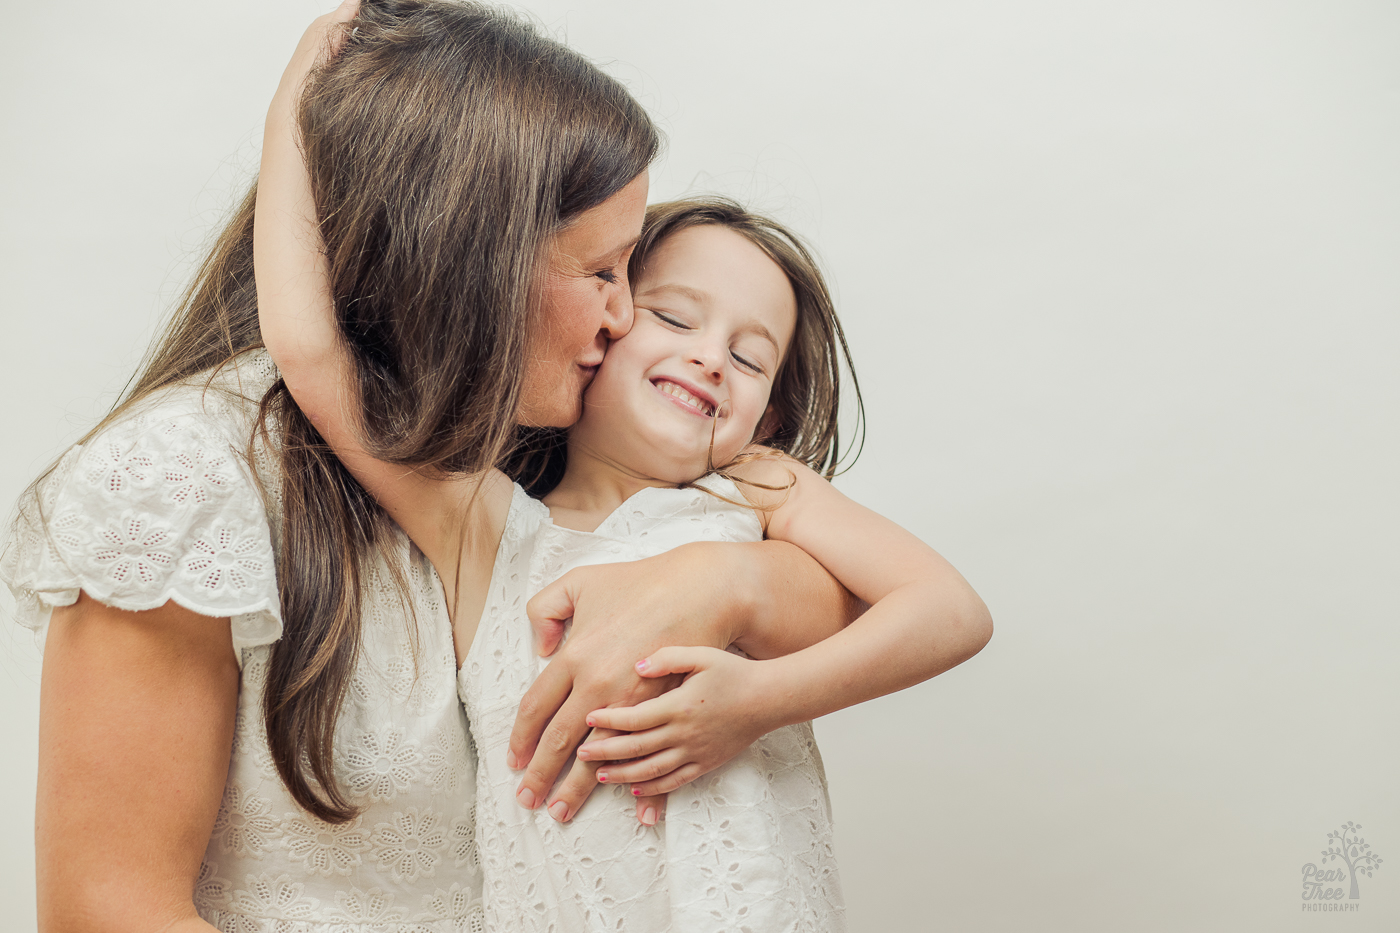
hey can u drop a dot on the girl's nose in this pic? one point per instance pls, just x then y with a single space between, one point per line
711 363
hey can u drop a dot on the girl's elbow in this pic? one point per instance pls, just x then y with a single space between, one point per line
977 625
984 628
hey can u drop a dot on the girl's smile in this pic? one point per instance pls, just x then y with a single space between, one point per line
687 396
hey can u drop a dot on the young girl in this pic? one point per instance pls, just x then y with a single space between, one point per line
734 339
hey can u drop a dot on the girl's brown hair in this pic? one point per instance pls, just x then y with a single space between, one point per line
446 142
805 402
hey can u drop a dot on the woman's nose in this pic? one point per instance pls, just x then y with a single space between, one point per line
617 313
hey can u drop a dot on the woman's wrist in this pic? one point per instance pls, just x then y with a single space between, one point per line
739 590
779 599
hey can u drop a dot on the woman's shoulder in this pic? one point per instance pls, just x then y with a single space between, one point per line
518 514
161 504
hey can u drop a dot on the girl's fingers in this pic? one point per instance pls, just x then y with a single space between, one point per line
651 809
344 13
648 769
645 715
625 746
668 782
674 661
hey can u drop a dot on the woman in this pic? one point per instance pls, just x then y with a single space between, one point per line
478 186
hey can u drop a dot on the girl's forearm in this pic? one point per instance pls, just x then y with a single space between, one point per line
294 308
915 633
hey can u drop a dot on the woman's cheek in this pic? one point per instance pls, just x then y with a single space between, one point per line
571 320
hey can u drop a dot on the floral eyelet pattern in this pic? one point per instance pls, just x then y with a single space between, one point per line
163 506
746 847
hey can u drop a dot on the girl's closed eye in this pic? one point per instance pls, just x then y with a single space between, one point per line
669 319
754 367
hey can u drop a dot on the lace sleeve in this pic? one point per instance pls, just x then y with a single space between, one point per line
160 506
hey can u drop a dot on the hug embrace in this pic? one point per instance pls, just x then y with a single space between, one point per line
464 555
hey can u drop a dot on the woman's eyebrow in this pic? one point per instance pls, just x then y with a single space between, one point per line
618 250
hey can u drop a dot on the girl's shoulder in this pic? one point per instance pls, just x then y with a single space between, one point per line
770 480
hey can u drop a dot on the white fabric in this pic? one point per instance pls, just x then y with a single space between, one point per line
163 505
746 847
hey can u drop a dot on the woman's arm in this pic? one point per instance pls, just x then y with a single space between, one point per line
136 722
923 619
297 315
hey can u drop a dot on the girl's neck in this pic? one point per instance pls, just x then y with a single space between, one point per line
592 488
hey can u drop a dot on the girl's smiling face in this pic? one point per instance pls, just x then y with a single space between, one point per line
714 316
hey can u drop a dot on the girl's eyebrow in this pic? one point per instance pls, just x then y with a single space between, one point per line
759 330
685 291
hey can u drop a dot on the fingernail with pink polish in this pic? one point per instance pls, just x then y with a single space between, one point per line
603 777
636 793
643 664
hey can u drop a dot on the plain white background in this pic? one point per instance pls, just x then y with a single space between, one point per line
1121 280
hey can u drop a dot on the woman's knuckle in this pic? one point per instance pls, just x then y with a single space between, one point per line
556 740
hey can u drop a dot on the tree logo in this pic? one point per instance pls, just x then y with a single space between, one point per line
1347 847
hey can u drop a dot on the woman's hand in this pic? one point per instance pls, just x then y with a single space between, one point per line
767 598
725 704
620 612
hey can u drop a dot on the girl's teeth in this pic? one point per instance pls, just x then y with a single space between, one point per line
670 388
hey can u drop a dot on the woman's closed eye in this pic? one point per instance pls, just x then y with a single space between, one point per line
607 275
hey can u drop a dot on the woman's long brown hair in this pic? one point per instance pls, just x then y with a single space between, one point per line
447 142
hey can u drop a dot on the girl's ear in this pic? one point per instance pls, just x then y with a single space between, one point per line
767 425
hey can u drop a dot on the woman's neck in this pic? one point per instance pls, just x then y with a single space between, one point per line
592 488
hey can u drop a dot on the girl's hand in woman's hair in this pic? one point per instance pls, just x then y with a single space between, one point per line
322 39
725 704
